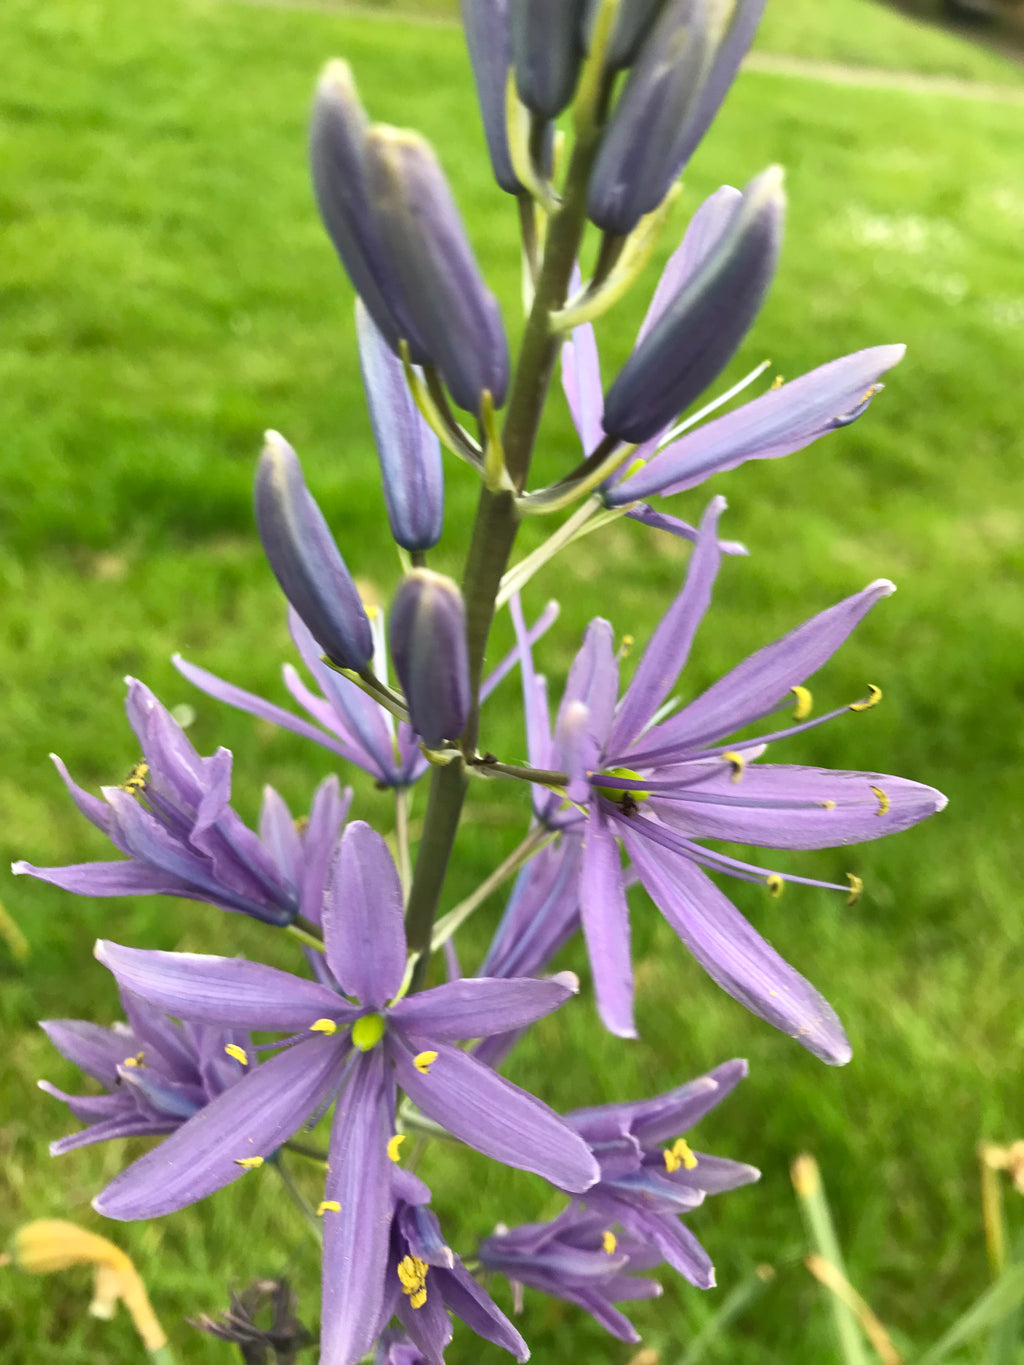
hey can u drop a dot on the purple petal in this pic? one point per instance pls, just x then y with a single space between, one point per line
706 229
356 1236
159 1036
717 1174
251 1119
676 1243
732 952
477 1007
541 626
788 806
127 1126
581 381
133 877
665 1117
538 726
363 931
470 1302
279 836
665 657
327 815
222 990
606 926
493 1116
593 680
760 683
95 1050
256 706
91 807
778 423
661 521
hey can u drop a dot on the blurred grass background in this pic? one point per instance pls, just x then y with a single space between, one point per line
169 293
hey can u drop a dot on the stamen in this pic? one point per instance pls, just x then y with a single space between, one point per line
239 1053
327 1206
393 1145
135 782
828 805
249 1163
679 1154
777 383
737 762
609 1241
804 701
625 646
883 801
872 699
412 1275
774 882
856 887
423 1062
301 824
138 1060
327 1026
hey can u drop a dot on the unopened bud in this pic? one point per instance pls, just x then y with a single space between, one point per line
546 52
410 454
427 634
488 36
305 560
633 19
699 330
442 292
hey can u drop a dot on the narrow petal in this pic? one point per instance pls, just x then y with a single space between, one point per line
732 952
256 706
706 229
606 926
356 1236
477 1007
665 657
760 683
132 877
581 382
541 626
787 806
251 1119
493 1116
682 530
95 1050
594 679
125 1126
222 990
94 810
538 726
327 815
471 1302
780 422
667 1116
362 917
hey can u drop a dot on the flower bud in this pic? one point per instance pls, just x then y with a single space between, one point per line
632 22
337 152
698 332
488 37
434 273
409 452
637 160
305 560
427 635
546 53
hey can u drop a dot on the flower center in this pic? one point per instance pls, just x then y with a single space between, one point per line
368 1031
617 794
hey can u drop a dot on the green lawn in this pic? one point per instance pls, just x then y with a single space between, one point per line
170 294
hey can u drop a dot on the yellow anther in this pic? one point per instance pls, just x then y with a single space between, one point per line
804 701
609 1241
872 699
737 762
138 1060
856 887
239 1053
777 383
423 1061
626 646
301 823
250 1163
883 801
327 1206
393 1145
371 609
327 1026
679 1154
412 1276
774 882
136 779
827 805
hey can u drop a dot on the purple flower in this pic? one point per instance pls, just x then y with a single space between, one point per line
426 1281
156 1073
173 819
347 721
662 784
779 422
576 1257
357 1042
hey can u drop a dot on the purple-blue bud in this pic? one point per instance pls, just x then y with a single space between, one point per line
489 40
546 52
632 22
439 283
410 454
637 160
305 560
427 635
700 329
337 154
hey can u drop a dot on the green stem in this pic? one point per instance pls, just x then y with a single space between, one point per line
821 1234
300 1201
444 806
